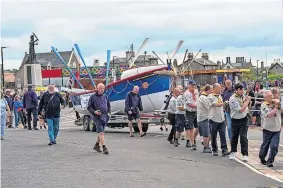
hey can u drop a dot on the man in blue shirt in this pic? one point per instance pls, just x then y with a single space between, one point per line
30 103
99 107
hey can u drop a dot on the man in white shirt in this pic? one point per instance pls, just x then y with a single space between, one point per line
271 124
171 115
203 105
239 105
191 115
179 116
217 120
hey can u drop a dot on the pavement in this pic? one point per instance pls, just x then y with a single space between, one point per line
27 161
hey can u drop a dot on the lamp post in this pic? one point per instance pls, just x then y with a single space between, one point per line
2 68
256 69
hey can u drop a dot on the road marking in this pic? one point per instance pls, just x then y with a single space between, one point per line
67 121
256 171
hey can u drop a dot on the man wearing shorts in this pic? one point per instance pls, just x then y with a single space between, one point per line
203 105
99 107
179 116
191 114
133 107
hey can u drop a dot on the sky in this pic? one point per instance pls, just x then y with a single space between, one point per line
223 28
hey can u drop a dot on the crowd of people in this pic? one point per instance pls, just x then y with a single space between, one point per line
30 108
209 111
205 112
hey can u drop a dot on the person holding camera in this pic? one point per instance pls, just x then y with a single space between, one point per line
239 105
133 107
99 107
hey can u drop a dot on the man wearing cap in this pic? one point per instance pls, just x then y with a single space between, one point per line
191 115
239 105
30 103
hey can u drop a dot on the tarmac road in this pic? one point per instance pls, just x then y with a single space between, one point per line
28 162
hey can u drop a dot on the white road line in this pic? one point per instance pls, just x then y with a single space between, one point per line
258 172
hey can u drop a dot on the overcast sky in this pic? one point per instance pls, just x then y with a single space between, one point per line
248 28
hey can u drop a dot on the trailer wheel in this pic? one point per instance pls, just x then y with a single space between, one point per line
92 126
144 128
86 123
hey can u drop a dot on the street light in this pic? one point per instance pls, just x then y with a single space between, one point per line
2 68
256 69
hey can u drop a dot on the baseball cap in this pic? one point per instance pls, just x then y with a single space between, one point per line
192 82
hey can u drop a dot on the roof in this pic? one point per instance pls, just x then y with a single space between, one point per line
280 64
45 58
9 77
204 62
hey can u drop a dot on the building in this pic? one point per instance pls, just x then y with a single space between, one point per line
49 60
276 67
9 80
200 67
204 71
142 60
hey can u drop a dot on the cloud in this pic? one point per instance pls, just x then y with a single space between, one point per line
218 26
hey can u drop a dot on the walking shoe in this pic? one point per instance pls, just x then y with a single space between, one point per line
105 150
207 150
55 142
161 128
270 165
25 127
245 158
29 128
194 147
263 161
44 126
225 153
215 153
35 128
97 148
2 138
188 144
232 156
166 129
40 127
170 141
50 143
176 143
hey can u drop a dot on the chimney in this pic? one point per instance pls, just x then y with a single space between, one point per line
204 56
190 56
262 64
228 60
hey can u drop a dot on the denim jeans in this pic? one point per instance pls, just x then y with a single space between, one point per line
3 123
270 140
53 128
16 115
229 124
